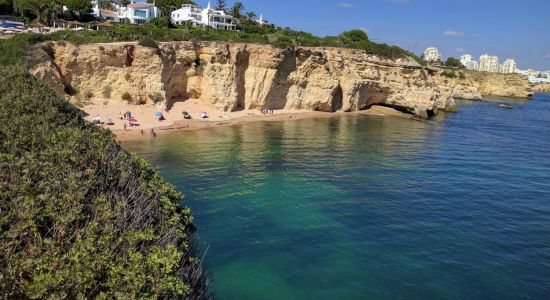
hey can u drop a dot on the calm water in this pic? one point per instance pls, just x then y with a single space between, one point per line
357 207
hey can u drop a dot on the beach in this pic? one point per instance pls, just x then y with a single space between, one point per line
174 120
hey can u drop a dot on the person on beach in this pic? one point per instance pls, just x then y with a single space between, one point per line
124 126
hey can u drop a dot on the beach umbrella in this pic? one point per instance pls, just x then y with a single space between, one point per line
158 114
132 120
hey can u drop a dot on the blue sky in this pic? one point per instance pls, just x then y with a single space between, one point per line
518 29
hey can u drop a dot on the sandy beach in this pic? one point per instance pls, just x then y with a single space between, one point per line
147 119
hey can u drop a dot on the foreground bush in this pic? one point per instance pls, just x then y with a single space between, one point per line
79 216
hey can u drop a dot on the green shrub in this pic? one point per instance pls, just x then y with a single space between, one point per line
156 97
106 92
80 217
147 41
162 22
449 74
453 62
126 97
87 95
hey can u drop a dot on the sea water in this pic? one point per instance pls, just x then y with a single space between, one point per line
364 207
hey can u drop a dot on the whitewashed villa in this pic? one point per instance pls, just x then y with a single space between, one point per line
206 17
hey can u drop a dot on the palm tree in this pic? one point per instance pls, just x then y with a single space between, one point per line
251 15
237 9
44 10
221 5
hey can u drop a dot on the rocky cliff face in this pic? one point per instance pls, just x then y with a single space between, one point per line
239 76
474 85
543 88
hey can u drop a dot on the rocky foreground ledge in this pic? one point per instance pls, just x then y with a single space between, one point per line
235 77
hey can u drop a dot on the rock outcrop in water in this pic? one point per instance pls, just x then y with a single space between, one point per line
243 76
473 85
543 88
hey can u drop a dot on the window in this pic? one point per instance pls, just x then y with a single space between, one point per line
140 13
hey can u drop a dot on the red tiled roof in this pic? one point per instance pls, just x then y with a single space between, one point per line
140 5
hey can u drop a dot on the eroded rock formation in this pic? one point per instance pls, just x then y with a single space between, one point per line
475 85
243 76
543 88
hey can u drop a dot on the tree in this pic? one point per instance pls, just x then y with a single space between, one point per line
43 10
237 9
106 4
353 37
167 6
162 22
251 15
453 62
78 6
221 5
124 2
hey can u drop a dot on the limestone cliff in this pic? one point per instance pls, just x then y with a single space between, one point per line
243 76
543 88
474 85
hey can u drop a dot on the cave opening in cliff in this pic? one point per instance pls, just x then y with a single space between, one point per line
337 99
430 113
130 49
398 108
243 61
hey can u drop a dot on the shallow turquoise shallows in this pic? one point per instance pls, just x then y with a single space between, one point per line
362 207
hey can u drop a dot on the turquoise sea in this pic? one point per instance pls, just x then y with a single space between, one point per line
363 207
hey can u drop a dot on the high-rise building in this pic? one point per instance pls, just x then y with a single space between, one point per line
508 66
465 59
488 63
468 62
432 54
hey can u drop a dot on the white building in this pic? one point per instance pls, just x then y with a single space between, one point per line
488 63
207 17
432 54
465 59
539 78
134 13
508 66
261 21
468 62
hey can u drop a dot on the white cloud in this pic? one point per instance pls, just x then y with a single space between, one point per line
452 33
460 50
546 56
345 5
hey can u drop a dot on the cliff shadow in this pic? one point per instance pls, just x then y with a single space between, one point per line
175 78
337 101
242 63
277 95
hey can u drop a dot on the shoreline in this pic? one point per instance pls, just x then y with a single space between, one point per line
175 122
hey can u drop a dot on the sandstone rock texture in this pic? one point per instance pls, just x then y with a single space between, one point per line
244 76
543 88
475 85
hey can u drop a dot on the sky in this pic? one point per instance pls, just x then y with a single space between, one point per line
518 29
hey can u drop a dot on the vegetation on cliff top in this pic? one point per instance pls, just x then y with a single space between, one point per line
15 50
79 216
161 29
